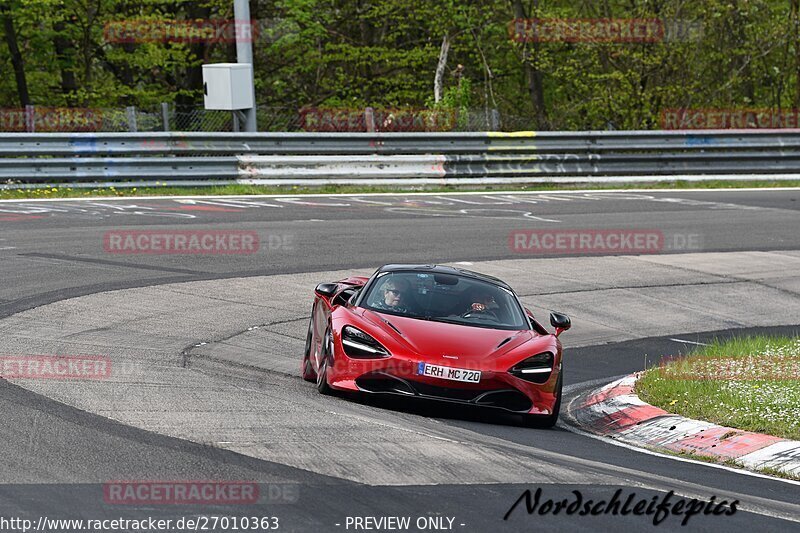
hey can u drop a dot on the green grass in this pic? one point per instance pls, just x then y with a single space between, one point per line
713 459
243 190
778 473
749 383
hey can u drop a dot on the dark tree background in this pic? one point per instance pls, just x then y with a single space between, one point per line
715 54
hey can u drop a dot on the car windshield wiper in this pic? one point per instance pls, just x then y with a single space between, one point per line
493 325
395 313
448 320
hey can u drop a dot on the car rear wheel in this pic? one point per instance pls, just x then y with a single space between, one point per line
322 373
547 421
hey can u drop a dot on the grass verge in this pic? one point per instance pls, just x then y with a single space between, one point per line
748 383
244 190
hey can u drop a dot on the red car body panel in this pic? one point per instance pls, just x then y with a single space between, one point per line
412 341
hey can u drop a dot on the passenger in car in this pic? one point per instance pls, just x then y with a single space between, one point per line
482 301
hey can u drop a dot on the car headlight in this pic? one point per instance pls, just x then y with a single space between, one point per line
536 369
359 345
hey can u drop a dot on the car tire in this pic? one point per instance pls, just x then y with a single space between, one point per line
307 368
547 421
322 374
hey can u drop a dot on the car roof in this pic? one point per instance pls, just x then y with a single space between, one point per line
443 269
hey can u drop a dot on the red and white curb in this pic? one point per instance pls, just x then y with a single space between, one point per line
615 411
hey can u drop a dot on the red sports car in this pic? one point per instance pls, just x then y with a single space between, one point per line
435 332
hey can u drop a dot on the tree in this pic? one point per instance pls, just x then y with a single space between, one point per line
410 54
16 57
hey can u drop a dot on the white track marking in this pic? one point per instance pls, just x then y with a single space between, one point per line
531 215
240 204
299 201
469 213
558 198
354 199
463 201
527 214
691 342
376 194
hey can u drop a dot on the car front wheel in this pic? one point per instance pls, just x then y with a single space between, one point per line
322 373
307 367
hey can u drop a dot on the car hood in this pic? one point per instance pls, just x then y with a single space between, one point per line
437 339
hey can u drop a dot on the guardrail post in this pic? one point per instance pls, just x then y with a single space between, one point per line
369 119
495 118
165 115
30 118
130 111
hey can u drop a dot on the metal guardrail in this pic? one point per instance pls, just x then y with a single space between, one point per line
513 157
47 170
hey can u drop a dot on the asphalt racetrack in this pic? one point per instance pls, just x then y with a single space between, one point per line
205 349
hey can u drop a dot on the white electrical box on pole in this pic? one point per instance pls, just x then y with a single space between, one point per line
231 86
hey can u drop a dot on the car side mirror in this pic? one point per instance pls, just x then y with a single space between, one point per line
326 290
346 296
560 321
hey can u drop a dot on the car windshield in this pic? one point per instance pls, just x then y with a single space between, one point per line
448 298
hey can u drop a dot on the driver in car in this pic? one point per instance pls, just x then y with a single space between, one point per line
482 302
395 294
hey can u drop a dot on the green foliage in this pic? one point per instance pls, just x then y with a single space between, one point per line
456 99
383 53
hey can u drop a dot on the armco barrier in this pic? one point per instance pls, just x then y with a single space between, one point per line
370 157
343 166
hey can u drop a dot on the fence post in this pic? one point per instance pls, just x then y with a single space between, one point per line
30 118
369 119
495 119
165 115
130 111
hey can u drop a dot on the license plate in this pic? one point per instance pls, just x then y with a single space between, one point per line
446 372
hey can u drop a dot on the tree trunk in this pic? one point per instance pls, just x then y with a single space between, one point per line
440 66
16 56
533 75
65 54
186 102
743 63
795 18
